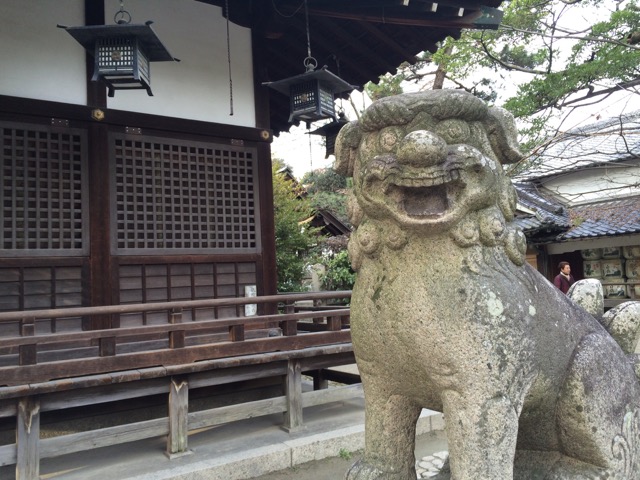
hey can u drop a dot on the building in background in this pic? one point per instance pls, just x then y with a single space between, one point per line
579 201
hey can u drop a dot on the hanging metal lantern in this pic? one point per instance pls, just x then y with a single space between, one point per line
330 133
311 94
122 52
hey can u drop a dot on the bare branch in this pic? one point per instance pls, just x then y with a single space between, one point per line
606 91
571 36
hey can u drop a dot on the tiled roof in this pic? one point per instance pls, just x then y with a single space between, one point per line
613 217
553 222
611 140
549 216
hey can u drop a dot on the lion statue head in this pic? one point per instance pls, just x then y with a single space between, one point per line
430 163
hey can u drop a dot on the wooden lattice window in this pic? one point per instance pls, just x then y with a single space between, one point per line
183 197
43 195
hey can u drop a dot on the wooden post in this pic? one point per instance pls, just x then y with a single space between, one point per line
293 390
27 354
178 439
320 381
27 437
236 333
176 337
334 323
289 328
107 346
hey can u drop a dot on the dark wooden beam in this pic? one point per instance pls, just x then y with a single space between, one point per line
335 32
96 91
388 41
466 21
25 107
100 260
267 267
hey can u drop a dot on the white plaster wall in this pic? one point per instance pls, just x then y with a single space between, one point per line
197 87
40 61
37 59
602 183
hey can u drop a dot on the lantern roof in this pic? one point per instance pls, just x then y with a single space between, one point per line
153 48
331 128
328 79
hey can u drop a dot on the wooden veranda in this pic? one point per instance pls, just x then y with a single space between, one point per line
53 371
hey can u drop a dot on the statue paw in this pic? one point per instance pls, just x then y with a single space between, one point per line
364 471
361 470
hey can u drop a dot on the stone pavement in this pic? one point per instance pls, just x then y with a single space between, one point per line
252 448
430 452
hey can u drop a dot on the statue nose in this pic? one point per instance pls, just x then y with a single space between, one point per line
422 149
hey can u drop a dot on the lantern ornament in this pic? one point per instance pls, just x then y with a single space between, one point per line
330 133
311 93
122 52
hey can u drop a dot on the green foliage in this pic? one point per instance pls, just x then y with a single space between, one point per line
560 63
566 53
323 188
293 239
338 274
344 454
325 180
387 85
336 203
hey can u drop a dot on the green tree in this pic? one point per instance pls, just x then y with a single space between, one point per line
294 239
565 53
324 180
338 272
326 191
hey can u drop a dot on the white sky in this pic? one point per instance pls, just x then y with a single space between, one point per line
294 146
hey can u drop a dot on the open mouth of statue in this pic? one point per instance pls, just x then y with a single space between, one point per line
423 201
425 198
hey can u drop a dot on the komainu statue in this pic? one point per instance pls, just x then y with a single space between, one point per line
447 315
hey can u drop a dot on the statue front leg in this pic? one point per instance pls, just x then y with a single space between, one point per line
390 434
482 434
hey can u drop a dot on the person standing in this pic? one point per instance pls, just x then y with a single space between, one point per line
564 279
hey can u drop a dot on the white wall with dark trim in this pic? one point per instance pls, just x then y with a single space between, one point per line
43 62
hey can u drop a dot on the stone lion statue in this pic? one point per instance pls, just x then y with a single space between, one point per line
447 315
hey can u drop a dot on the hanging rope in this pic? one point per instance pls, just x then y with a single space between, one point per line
306 18
310 151
310 63
226 6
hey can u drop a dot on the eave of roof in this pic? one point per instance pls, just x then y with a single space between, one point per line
548 218
613 140
358 40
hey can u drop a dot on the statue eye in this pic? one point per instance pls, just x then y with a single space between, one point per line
453 131
389 138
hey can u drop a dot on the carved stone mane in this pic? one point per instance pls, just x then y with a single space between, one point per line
456 119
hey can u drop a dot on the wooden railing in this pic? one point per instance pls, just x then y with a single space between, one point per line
42 358
53 371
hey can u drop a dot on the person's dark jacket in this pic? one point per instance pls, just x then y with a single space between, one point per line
563 283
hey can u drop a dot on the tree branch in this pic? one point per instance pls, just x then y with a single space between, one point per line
571 36
509 66
606 91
